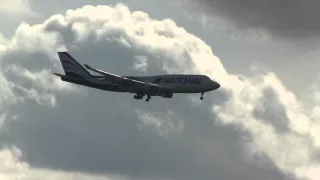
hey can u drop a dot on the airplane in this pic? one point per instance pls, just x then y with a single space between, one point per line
158 85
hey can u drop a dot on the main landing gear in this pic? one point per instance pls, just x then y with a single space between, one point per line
140 96
201 97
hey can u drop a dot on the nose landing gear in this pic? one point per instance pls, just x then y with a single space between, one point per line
201 97
148 98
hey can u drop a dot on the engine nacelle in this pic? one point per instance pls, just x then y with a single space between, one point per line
167 95
153 90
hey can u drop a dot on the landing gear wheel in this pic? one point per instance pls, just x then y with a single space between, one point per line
148 98
138 96
201 98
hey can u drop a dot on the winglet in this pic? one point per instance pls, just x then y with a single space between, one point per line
88 67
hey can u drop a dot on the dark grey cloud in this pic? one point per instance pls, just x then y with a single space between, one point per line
97 132
272 111
286 18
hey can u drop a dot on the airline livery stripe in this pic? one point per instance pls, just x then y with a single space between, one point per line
68 59
89 79
77 66
67 68
76 70
64 63
86 77
73 67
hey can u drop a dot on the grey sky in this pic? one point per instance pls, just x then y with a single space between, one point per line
92 131
286 18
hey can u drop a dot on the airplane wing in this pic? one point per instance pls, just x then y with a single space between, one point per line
105 74
141 84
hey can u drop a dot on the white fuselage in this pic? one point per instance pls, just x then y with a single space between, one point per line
182 83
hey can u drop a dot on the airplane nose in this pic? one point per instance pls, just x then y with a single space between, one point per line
215 85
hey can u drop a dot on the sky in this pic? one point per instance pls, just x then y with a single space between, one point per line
263 123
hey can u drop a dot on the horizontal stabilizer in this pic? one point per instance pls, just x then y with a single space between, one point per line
60 75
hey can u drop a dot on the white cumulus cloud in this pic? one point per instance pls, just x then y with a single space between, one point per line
12 168
16 7
280 126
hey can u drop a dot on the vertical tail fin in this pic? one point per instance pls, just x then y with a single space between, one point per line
71 67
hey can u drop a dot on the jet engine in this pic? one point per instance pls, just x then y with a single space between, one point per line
153 90
167 95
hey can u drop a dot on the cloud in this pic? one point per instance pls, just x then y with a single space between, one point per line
16 7
141 63
251 128
287 115
285 18
11 168
2 39
2 42
164 123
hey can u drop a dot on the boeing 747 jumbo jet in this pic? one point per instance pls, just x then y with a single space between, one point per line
160 85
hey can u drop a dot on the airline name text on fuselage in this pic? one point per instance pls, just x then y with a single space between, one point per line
178 80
